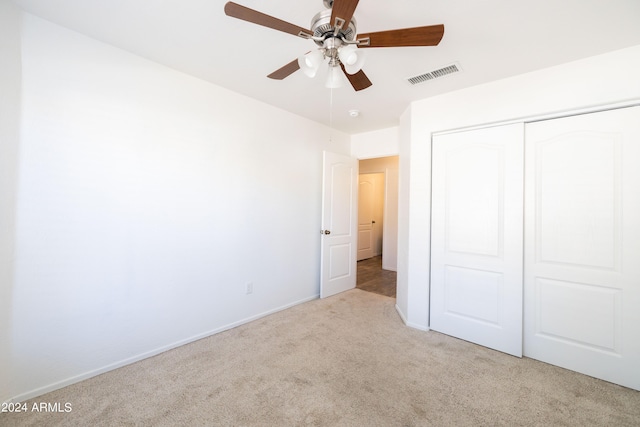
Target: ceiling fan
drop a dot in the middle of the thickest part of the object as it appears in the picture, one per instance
(334, 31)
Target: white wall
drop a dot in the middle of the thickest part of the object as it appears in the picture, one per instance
(378, 164)
(9, 140)
(378, 143)
(404, 187)
(146, 200)
(599, 80)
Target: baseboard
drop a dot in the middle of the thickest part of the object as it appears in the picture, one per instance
(410, 324)
(386, 267)
(90, 374)
(418, 326)
(401, 314)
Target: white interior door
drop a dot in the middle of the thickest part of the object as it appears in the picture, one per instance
(371, 188)
(339, 224)
(582, 257)
(476, 247)
(366, 202)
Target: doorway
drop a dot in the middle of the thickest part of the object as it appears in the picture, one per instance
(378, 225)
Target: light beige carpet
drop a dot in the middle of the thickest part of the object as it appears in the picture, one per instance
(344, 361)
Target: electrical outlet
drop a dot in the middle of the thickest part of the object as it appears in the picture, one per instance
(249, 288)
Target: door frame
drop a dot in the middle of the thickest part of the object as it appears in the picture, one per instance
(389, 234)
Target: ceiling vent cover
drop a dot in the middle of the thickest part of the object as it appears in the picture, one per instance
(430, 75)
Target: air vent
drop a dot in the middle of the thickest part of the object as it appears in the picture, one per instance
(440, 72)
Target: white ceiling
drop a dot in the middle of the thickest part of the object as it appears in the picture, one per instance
(489, 39)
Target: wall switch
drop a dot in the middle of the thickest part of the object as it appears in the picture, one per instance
(249, 288)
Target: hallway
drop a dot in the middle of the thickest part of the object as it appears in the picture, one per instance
(372, 278)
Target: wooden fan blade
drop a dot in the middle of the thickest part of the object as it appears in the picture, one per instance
(343, 9)
(241, 12)
(285, 71)
(358, 80)
(417, 36)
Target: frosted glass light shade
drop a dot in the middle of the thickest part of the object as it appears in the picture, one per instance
(310, 63)
(335, 78)
(351, 58)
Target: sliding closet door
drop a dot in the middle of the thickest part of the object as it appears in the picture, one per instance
(476, 247)
(582, 253)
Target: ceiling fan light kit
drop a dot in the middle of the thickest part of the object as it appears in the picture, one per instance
(310, 62)
(336, 54)
(335, 32)
(351, 58)
(335, 78)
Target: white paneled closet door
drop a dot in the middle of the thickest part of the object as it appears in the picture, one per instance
(582, 244)
(476, 247)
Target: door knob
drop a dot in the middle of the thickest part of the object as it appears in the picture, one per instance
(327, 232)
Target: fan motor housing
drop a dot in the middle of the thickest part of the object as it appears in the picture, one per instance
(322, 28)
